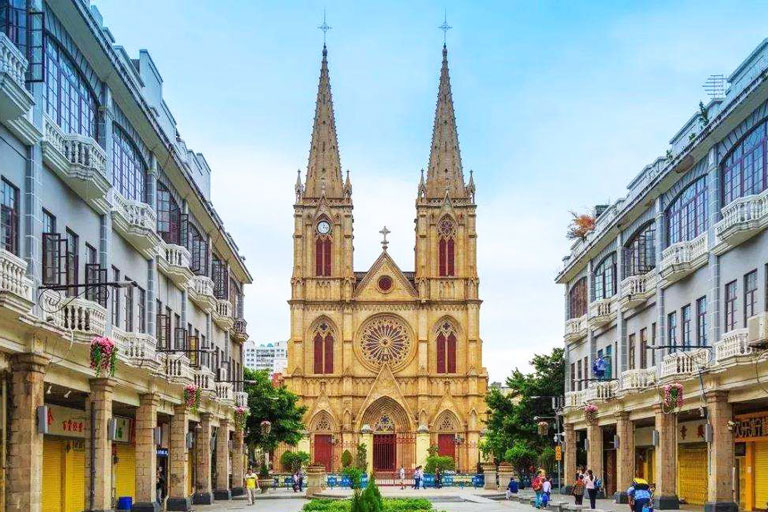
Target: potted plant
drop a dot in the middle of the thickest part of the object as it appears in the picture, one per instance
(672, 398)
(543, 428)
(265, 481)
(241, 415)
(192, 396)
(103, 355)
(590, 413)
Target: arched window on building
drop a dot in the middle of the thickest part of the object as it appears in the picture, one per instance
(445, 253)
(198, 249)
(446, 348)
(640, 252)
(168, 216)
(605, 277)
(577, 299)
(67, 97)
(745, 171)
(323, 248)
(129, 173)
(686, 216)
(322, 341)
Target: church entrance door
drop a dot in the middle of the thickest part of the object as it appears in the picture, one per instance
(384, 452)
(446, 446)
(323, 450)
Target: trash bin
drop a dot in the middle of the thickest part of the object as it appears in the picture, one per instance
(124, 503)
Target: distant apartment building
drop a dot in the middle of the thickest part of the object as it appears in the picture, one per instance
(272, 357)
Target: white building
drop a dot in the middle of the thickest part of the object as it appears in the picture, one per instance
(266, 356)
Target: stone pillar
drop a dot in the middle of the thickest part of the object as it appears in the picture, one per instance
(98, 446)
(720, 496)
(489, 474)
(315, 479)
(25, 446)
(146, 454)
(203, 434)
(422, 445)
(625, 456)
(222, 462)
(570, 455)
(506, 473)
(178, 498)
(238, 463)
(666, 461)
(595, 451)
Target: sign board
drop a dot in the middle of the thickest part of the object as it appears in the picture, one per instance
(124, 429)
(558, 453)
(751, 427)
(66, 422)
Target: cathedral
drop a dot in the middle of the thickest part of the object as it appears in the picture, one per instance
(385, 357)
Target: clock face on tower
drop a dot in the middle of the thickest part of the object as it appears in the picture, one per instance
(323, 227)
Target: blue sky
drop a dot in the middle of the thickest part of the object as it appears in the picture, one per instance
(559, 105)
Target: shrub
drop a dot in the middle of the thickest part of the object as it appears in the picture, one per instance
(361, 460)
(355, 475)
(346, 459)
(292, 461)
(436, 461)
(369, 500)
(263, 469)
(389, 505)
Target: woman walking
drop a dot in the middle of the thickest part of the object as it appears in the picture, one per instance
(578, 489)
(589, 484)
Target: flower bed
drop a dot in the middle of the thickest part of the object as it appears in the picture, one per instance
(390, 505)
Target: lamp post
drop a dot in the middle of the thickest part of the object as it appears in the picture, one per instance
(557, 407)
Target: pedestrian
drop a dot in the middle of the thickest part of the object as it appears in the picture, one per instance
(295, 478)
(590, 484)
(511, 488)
(417, 477)
(301, 479)
(578, 489)
(546, 490)
(402, 477)
(250, 485)
(160, 486)
(438, 476)
(639, 494)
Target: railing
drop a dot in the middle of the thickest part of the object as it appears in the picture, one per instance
(742, 214)
(176, 255)
(638, 379)
(684, 253)
(601, 311)
(575, 398)
(733, 345)
(602, 390)
(177, 368)
(224, 391)
(13, 276)
(239, 329)
(136, 348)
(137, 214)
(84, 317)
(204, 379)
(224, 308)
(202, 285)
(12, 61)
(684, 363)
(80, 151)
(576, 328)
(241, 399)
(640, 285)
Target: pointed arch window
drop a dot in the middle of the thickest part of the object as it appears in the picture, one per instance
(446, 348)
(168, 215)
(445, 251)
(323, 349)
(323, 248)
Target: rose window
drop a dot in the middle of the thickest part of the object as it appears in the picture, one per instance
(385, 340)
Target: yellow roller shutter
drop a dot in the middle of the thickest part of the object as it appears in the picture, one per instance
(53, 472)
(125, 471)
(761, 475)
(75, 478)
(692, 473)
(190, 489)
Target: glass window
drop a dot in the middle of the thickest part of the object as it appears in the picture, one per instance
(577, 299)
(744, 170)
(573, 376)
(609, 362)
(115, 298)
(128, 306)
(640, 252)
(73, 261)
(701, 321)
(643, 348)
(9, 215)
(605, 278)
(142, 310)
(672, 330)
(579, 373)
(168, 216)
(198, 248)
(128, 168)
(750, 295)
(67, 98)
(730, 306)
(653, 344)
(631, 352)
(687, 215)
(685, 317)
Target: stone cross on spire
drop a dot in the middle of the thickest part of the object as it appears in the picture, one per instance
(384, 243)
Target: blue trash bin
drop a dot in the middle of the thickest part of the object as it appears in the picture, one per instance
(124, 503)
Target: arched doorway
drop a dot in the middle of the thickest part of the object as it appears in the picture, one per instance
(322, 440)
(448, 428)
(394, 442)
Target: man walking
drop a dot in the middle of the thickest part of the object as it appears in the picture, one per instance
(639, 494)
(250, 485)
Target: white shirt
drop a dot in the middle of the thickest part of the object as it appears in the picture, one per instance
(402, 473)
(589, 482)
(546, 486)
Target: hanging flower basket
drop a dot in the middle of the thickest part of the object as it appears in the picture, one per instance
(192, 396)
(241, 415)
(590, 413)
(103, 355)
(266, 427)
(672, 397)
(543, 428)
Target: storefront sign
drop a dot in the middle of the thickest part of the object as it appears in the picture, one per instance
(63, 421)
(753, 426)
(687, 432)
(124, 429)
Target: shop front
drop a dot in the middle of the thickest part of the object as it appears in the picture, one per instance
(751, 437)
(64, 460)
(124, 460)
(644, 453)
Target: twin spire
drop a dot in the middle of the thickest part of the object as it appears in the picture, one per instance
(444, 174)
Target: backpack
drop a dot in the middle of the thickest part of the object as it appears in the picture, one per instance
(598, 484)
(536, 485)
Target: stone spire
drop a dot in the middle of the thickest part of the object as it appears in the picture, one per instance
(324, 167)
(444, 170)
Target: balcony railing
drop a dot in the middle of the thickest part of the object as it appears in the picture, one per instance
(79, 161)
(136, 222)
(222, 314)
(576, 398)
(15, 100)
(682, 364)
(635, 290)
(177, 369)
(575, 328)
(239, 330)
(241, 399)
(602, 390)
(174, 261)
(83, 317)
(205, 379)
(15, 286)
(224, 392)
(137, 349)
(200, 290)
(742, 219)
(733, 346)
(639, 379)
(680, 259)
(601, 312)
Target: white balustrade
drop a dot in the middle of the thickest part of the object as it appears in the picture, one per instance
(638, 379)
(84, 317)
(85, 153)
(136, 213)
(177, 368)
(748, 213)
(136, 348)
(203, 285)
(241, 399)
(734, 344)
(601, 311)
(224, 308)
(575, 328)
(684, 363)
(224, 391)
(643, 285)
(176, 255)
(575, 398)
(602, 390)
(204, 379)
(12, 61)
(13, 276)
(681, 258)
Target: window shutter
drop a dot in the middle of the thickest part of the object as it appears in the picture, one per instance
(318, 355)
(449, 263)
(328, 353)
(163, 326)
(180, 339)
(193, 345)
(441, 256)
(327, 257)
(452, 353)
(441, 353)
(55, 251)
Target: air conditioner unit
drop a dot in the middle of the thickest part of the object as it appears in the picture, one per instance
(757, 331)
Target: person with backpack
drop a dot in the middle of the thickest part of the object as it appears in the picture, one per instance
(546, 489)
(639, 494)
(578, 489)
(591, 484)
(537, 485)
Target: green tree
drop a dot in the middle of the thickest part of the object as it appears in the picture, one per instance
(346, 459)
(292, 461)
(361, 459)
(521, 456)
(276, 405)
(510, 419)
(445, 463)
